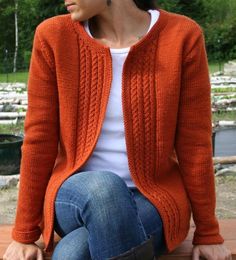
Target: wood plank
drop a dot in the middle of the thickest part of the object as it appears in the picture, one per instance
(182, 252)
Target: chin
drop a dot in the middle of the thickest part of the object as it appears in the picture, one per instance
(75, 16)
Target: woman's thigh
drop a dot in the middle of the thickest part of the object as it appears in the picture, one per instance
(73, 246)
(101, 201)
(151, 220)
(71, 227)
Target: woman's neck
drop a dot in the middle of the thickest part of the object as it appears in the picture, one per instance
(122, 24)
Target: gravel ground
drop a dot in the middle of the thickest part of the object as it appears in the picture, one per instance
(226, 197)
(225, 200)
(8, 200)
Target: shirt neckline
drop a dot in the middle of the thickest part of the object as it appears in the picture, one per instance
(148, 37)
(126, 49)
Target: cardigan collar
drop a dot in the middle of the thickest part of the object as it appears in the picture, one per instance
(154, 31)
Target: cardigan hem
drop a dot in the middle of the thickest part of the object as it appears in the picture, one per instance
(208, 240)
(25, 237)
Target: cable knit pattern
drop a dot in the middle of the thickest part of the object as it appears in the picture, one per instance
(165, 87)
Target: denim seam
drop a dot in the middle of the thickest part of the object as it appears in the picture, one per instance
(69, 203)
(74, 205)
(138, 217)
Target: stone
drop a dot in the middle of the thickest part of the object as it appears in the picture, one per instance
(7, 181)
(230, 68)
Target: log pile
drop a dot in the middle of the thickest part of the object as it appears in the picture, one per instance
(13, 102)
(223, 93)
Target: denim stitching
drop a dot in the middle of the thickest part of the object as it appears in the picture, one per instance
(138, 217)
(74, 205)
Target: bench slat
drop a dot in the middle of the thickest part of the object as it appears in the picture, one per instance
(182, 252)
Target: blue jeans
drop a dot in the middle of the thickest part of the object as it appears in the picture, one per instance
(98, 216)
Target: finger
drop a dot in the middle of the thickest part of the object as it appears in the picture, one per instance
(39, 255)
(226, 255)
(210, 257)
(195, 255)
(6, 257)
(230, 256)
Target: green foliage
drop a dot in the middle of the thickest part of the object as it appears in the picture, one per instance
(220, 40)
(218, 20)
(216, 17)
(194, 9)
(220, 29)
(223, 90)
(49, 8)
(169, 5)
(27, 56)
(30, 14)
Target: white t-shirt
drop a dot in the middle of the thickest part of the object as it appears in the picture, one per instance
(110, 151)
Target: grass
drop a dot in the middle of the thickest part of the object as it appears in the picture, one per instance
(15, 77)
(229, 115)
(223, 90)
(17, 128)
(215, 66)
(23, 76)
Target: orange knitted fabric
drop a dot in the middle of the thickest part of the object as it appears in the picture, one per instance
(167, 117)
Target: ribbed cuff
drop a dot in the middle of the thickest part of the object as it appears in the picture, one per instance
(26, 237)
(207, 240)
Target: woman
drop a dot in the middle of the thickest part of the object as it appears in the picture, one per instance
(115, 155)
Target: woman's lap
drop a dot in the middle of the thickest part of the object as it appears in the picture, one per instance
(94, 222)
(151, 221)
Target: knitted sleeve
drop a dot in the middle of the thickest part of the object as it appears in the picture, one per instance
(39, 148)
(193, 140)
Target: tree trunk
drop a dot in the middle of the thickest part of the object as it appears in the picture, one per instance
(16, 35)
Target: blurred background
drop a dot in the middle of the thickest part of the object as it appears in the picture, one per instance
(20, 18)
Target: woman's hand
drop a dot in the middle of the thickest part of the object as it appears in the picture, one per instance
(211, 252)
(20, 251)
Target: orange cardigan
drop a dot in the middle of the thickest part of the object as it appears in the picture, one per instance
(167, 118)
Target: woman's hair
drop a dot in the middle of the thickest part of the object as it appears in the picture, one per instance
(146, 4)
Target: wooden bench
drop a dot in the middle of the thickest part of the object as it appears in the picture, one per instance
(227, 228)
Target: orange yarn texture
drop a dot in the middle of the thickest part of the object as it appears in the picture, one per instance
(166, 106)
